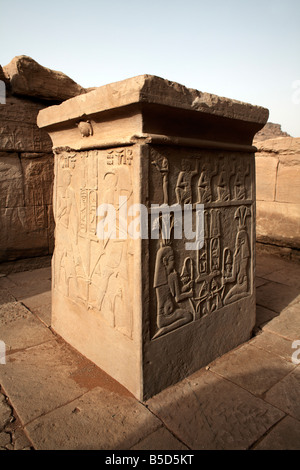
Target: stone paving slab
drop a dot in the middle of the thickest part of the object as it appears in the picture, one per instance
(43, 312)
(100, 419)
(267, 264)
(208, 412)
(38, 379)
(19, 328)
(5, 412)
(284, 436)
(161, 439)
(28, 277)
(289, 277)
(287, 324)
(276, 296)
(33, 295)
(264, 315)
(274, 344)
(12, 436)
(248, 399)
(253, 369)
(260, 281)
(285, 395)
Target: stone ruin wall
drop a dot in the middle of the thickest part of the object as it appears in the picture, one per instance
(278, 196)
(26, 159)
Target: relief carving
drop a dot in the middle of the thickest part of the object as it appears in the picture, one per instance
(222, 265)
(183, 189)
(67, 252)
(241, 258)
(170, 294)
(94, 272)
(163, 168)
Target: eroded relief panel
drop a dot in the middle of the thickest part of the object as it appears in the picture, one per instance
(94, 272)
(187, 285)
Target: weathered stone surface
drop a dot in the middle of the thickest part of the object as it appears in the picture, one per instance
(274, 344)
(161, 439)
(20, 328)
(18, 129)
(270, 131)
(287, 324)
(151, 91)
(266, 264)
(263, 315)
(11, 181)
(286, 394)
(26, 204)
(276, 297)
(279, 146)
(122, 420)
(288, 179)
(37, 172)
(4, 440)
(266, 170)
(289, 276)
(33, 289)
(278, 191)
(207, 412)
(23, 230)
(5, 412)
(49, 387)
(278, 223)
(255, 378)
(157, 307)
(28, 78)
(284, 436)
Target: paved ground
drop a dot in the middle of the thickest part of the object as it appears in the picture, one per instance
(53, 398)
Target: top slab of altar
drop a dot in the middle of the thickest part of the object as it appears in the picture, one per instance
(150, 107)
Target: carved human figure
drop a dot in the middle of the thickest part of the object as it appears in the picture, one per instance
(204, 186)
(239, 269)
(169, 294)
(239, 183)
(223, 179)
(227, 263)
(67, 232)
(216, 292)
(215, 254)
(163, 168)
(183, 189)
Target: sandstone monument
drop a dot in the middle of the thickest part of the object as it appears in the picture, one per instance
(148, 310)
(26, 159)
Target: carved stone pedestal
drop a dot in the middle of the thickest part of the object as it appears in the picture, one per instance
(150, 311)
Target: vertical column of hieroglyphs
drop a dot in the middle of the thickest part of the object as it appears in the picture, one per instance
(188, 285)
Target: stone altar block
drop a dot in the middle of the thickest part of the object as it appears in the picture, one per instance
(150, 311)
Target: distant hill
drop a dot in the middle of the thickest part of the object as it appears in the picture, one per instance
(270, 131)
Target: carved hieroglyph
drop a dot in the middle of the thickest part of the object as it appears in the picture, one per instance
(189, 285)
(95, 273)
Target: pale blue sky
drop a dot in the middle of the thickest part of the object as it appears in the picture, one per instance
(241, 49)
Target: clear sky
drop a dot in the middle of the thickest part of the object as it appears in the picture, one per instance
(241, 49)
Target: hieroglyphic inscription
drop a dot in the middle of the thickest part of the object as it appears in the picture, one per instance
(94, 272)
(219, 272)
